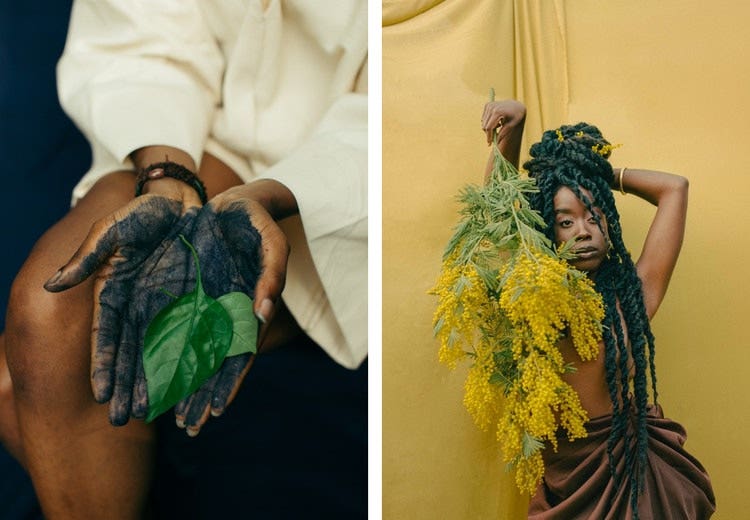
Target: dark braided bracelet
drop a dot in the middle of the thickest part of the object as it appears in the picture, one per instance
(173, 170)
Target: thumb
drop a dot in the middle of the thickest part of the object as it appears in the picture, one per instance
(96, 248)
(142, 223)
(275, 252)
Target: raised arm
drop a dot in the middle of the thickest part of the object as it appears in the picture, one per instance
(669, 193)
(507, 117)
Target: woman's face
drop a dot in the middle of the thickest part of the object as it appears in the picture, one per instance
(574, 221)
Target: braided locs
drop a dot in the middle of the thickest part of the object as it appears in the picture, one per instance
(576, 156)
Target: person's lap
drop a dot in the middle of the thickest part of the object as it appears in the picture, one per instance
(66, 434)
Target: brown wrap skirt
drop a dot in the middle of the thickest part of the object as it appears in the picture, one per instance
(578, 483)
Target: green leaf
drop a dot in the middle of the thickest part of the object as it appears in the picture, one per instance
(462, 283)
(184, 345)
(453, 337)
(499, 379)
(438, 326)
(516, 294)
(488, 276)
(530, 445)
(239, 306)
(566, 249)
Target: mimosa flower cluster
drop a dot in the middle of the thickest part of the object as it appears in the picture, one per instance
(506, 297)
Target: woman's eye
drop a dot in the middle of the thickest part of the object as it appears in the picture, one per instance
(565, 223)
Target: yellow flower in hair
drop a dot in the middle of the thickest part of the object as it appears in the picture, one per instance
(604, 149)
(559, 135)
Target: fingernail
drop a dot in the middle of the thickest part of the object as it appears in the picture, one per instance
(52, 281)
(192, 433)
(180, 422)
(156, 173)
(264, 313)
(216, 413)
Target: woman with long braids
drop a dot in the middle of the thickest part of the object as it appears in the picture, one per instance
(632, 464)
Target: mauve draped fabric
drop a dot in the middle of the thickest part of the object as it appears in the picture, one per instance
(578, 482)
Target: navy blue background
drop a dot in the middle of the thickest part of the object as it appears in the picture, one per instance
(43, 156)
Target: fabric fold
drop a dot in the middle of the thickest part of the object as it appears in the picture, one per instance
(578, 483)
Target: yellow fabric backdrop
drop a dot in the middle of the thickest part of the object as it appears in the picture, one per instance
(670, 81)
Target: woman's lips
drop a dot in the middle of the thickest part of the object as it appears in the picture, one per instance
(585, 252)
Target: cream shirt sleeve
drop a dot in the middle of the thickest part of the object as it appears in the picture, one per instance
(139, 73)
(328, 176)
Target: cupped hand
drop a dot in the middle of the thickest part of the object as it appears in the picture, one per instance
(241, 248)
(134, 254)
(504, 114)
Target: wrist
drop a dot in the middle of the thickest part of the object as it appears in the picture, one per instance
(172, 180)
(274, 196)
(619, 179)
(170, 188)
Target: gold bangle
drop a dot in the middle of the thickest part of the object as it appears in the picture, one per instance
(622, 174)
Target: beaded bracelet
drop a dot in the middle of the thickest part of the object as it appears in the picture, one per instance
(173, 170)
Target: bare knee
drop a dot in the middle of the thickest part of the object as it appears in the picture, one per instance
(10, 436)
(46, 337)
(8, 419)
(6, 387)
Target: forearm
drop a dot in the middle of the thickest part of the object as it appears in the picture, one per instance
(510, 142)
(652, 186)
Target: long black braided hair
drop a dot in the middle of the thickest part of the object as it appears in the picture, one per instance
(576, 156)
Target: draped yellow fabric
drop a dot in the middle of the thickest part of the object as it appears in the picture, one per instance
(668, 80)
(540, 62)
(395, 11)
(438, 66)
